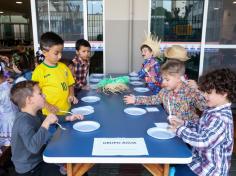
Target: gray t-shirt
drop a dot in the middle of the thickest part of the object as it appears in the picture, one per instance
(27, 142)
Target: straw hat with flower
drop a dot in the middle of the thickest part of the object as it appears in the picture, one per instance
(176, 52)
(152, 42)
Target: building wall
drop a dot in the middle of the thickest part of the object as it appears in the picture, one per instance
(124, 32)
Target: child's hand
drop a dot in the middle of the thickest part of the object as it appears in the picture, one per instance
(175, 122)
(50, 119)
(10, 80)
(15, 68)
(73, 99)
(129, 99)
(86, 87)
(51, 108)
(74, 117)
(149, 79)
(192, 84)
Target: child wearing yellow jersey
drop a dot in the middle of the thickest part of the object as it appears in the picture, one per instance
(55, 78)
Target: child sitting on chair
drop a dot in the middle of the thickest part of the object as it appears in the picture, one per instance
(150, 70)
(182, 99)
(211, 137)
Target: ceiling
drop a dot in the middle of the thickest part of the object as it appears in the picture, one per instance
(10, 7)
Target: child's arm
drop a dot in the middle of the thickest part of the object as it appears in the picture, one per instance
(177, 122)
(209, 135)
(148, 100)
(199, 100)
(72, 98)
(34, 140)
(51, 108)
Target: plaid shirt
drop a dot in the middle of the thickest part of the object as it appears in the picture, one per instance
(151, 74)
(183, 103)
(212, 140)
(81, 72)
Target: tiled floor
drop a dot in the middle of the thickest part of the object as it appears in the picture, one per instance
(134, 169)
(124, 170)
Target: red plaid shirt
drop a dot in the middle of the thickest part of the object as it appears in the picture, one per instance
(81, 72)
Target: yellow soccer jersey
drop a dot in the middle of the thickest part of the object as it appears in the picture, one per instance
(54, 82)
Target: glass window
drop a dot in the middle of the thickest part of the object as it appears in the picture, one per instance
(177, 20)
(96, 60)
(18, 19)
(66, 18)
(17, 31)
(95, 20)
(5, 18)
(221, 26)
(219, 58)
(42, 16)
(192, 65)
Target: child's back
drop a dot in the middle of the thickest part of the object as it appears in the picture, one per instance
(24, 134)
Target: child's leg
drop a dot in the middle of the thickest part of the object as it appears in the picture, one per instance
(50, 169)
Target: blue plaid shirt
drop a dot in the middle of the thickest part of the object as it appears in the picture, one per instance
(211, 139)
(152, 75)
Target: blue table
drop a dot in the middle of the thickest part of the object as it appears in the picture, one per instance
(70, 146)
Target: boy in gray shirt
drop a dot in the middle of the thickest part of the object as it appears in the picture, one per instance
(30, 131)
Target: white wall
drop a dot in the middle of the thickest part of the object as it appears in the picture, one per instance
(125, 23)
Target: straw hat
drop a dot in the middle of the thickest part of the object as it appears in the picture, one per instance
(176, 52)
(153, 43)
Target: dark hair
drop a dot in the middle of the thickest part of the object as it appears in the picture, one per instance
(81, 42)
(146, 46)
(173, 67)
(222, 81)
(21, 91)
(50, 39)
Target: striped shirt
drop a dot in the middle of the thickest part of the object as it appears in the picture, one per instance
(183, 103)
(211, 139)
(81, 72)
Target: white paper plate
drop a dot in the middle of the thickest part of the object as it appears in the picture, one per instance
(98, 75)
(135, 111)
(162, 125)
(93, 86)
(90, 99)
(133, 74)
(141, 89)
(94, 80)
(136, 83)
(160, 133)
(86, 126)
(84, 110)
(134, 78)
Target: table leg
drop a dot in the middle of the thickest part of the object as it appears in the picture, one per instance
(69, 169)
(83, 168)
(166, 169)
(157, 169)
(76, 168)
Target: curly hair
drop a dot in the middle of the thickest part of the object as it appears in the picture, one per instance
(222, 81)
